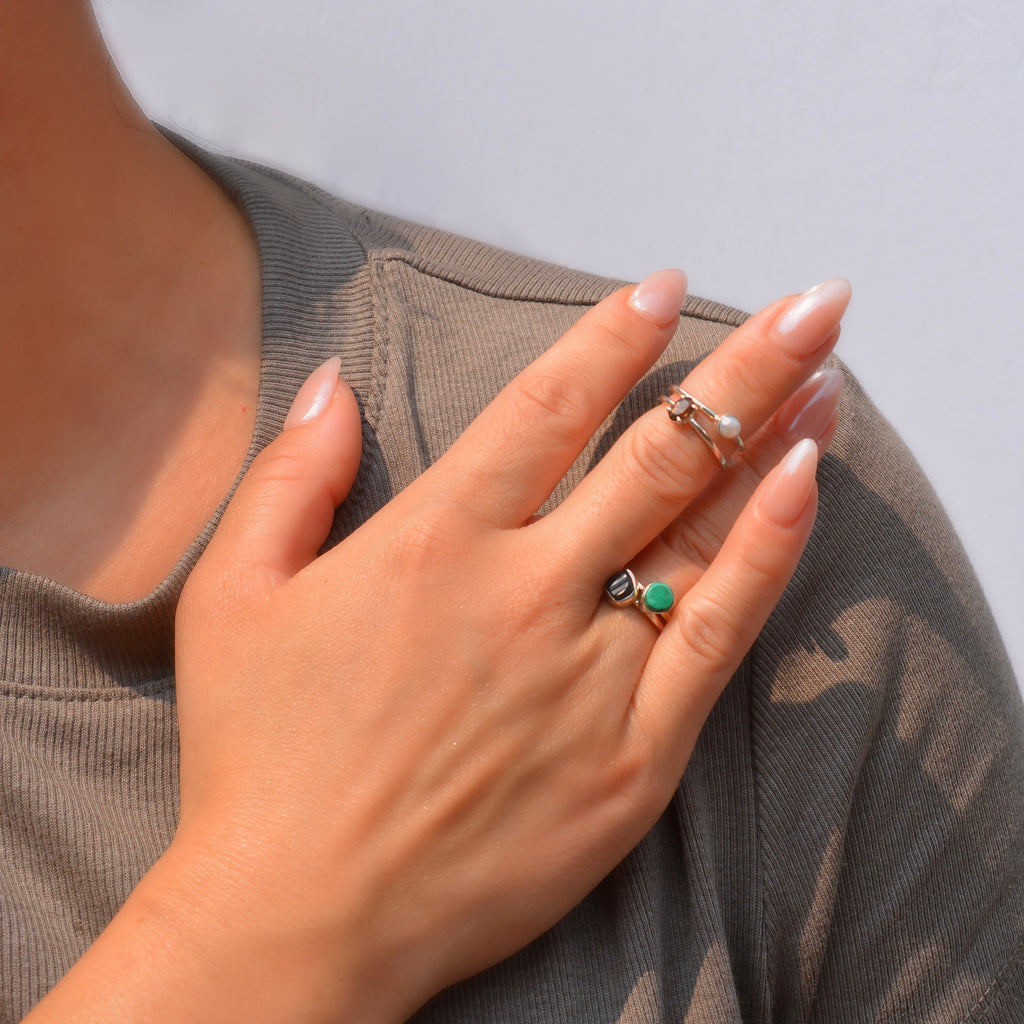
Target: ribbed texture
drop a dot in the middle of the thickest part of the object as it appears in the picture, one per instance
(848, 841)
(88, 801)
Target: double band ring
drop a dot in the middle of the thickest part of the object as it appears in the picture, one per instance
(655, 600)
(684, 408)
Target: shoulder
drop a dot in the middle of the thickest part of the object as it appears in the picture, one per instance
(285, 209)
(888, 737)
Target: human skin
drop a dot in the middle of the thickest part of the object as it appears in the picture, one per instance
(131, 298)
(489, 797)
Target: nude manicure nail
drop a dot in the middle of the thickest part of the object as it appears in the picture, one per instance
(315, 395)
(791, 483)
(659, 298)
(809, 321)
(809, 412)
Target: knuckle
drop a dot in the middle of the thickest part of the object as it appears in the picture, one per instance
(274, 479)
(754, 360)
(757, 565)
(622, 335)
(635, 767)
(419, 542)
(558, 400)
(694, 541)
(280, 466)
(757, 344)
(747, 378)
(661, 466)
(639, 779)
(709, 635)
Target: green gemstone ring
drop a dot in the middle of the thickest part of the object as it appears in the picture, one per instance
(655, 600)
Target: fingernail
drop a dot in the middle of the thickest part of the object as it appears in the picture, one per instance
(809, 321)
(315, 395)
(809, 412)
(790, 484)
(659, 298)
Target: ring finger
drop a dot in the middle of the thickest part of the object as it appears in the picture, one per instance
(687, 546)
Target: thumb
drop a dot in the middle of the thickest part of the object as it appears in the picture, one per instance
(283, 509)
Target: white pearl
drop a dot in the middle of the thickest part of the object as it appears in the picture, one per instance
(729, 426)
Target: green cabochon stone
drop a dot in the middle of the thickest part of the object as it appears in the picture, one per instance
(658, 597)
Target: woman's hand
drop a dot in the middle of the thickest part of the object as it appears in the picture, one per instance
(405, 758)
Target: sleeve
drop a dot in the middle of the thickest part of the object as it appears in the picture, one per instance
(888, 749)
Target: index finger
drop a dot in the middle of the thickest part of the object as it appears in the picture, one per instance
(511, 457)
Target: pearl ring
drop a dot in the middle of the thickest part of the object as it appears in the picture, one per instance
(683, 407)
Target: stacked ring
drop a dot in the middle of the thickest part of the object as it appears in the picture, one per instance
(683, 407)
(655, 600)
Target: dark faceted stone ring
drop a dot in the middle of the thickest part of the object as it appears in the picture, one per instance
(655, 600)
(683, 408)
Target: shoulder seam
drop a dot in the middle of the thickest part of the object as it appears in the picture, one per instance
(694, 308)
(981, 1007)
(437, 270)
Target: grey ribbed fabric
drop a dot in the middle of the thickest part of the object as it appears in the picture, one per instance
(848, 842)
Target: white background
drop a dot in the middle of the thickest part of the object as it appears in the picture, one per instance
(761, 145)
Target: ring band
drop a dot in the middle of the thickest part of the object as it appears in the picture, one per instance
(655, 600)
(683, 407)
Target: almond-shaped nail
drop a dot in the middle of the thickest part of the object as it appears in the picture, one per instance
(659, 298)
(316, 394)
(812, 317)
(809, 412)
(790, 483)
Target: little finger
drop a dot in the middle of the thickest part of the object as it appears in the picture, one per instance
(713, 626)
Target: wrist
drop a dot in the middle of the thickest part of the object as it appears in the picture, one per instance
(198, 941)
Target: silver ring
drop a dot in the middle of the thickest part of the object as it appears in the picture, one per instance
(683, 408)
(655, 600)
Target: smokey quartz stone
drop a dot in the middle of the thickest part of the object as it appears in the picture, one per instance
(621, 588)
(681, 409)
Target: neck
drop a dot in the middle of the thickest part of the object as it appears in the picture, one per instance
(91, 195)
(129, 289)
